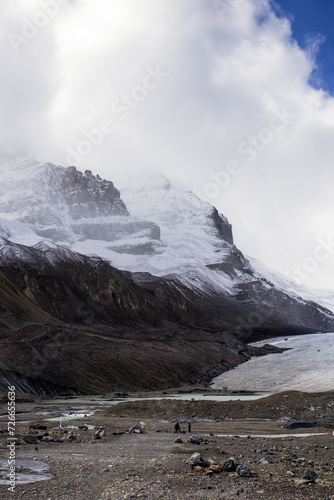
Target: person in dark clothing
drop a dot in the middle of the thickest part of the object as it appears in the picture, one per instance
(177, 427)
(189, 427)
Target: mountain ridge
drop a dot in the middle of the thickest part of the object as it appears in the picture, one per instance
(89, 290)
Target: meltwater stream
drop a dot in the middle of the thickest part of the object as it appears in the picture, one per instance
(101, 400)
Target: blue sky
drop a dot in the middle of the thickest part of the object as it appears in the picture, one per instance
(312, 18)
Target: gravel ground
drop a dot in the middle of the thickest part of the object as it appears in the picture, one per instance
(151, 465)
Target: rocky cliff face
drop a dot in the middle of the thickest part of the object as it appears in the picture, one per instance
(74, 288)
(63, 204)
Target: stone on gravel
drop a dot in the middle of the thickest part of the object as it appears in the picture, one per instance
(195, 439)
(135, 429)
(38, 427)
(310, 476)
(229, 465)
(266, 460)
(243, 471)
(210, 462)
(47, 439)
(196, 459)
(215, 468)
(30, 439)
(71, 436)
(99, 433)
(197, 468)
(300, 425)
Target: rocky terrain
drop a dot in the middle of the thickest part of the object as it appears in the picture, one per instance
(243, 449)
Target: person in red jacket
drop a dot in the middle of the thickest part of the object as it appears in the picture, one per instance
(177, 427)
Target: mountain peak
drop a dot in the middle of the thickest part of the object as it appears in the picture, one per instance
(64, 204)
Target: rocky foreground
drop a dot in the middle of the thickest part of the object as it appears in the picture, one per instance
(251, 449)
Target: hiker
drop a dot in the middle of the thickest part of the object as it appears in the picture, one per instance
(189, 427)
(177, 427)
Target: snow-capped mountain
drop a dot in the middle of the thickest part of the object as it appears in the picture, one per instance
(97, 282)
(148, 227)
(165, 230)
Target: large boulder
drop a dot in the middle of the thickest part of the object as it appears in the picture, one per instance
(196, 460)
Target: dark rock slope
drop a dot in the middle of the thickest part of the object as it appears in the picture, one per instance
(70, 323)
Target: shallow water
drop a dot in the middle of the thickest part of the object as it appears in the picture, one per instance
(272, 435)
(101, 400)
(33, 471)
(66, 419)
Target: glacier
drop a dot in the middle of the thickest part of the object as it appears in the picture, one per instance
(308, 366)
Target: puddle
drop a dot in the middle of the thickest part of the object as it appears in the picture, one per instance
(32, 471)
(69, 420)
(272, 435)
(71, 416)
(66, 419)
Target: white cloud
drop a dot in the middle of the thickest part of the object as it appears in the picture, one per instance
(227, 75)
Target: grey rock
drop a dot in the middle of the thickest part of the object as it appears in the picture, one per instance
(243, 471)
(135, 429)
(48, 439)
(195, 439)
(196, 460)
(300, 425)
(71, 436)
(30, 439)
(266, 460)
(99, 433)
(229, 465)
(310, 475)
(38, 427)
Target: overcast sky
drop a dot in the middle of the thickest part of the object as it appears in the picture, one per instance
(217, 95)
